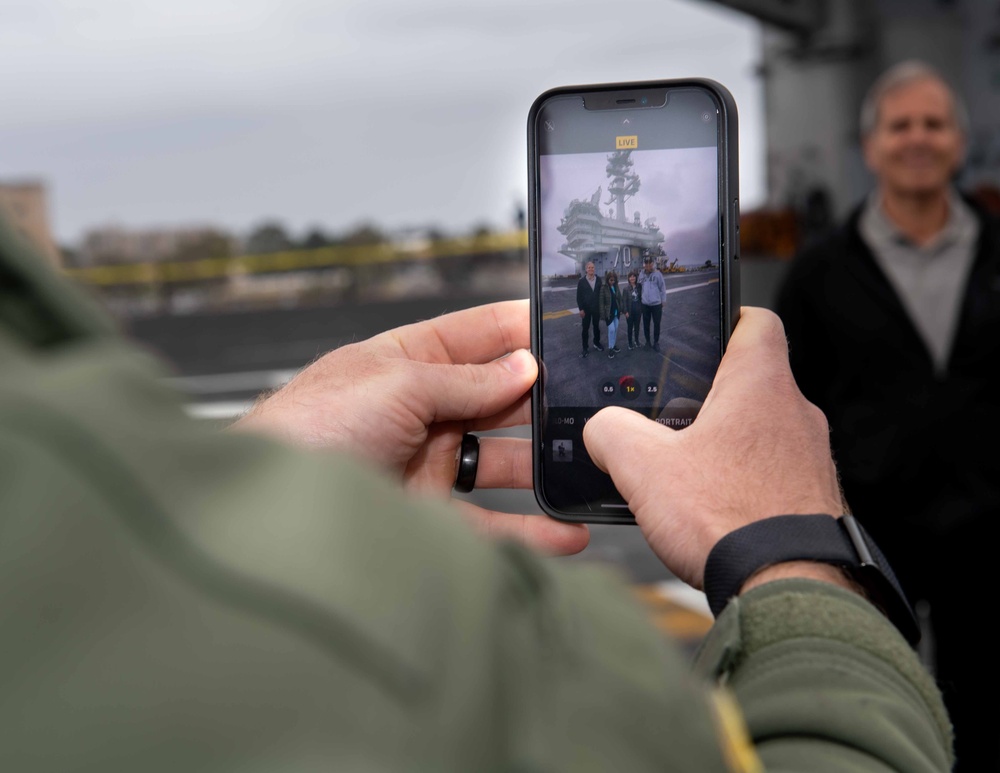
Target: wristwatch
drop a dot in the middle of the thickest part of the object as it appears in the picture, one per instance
(839, 541)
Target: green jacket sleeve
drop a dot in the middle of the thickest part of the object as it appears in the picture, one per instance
(825, 684)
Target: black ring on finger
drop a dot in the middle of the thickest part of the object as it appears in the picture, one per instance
(468, 463)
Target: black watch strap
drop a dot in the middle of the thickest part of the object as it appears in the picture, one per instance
(838, 541)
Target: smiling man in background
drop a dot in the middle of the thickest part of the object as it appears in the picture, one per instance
(894, 327)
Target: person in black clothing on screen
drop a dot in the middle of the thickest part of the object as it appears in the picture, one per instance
(588, 293)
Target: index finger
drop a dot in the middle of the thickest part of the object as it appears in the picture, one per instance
(477, 335)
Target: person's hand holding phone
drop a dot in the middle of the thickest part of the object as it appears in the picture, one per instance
(404, 399)
(758, 448)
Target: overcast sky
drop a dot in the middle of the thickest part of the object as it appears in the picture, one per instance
(325, 114)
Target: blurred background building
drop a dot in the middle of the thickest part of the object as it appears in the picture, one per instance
(116, 244)
(24, 203)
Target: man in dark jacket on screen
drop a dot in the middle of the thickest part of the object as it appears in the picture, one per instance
(588, 294)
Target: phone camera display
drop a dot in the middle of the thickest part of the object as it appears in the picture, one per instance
(629, 276)
(626, 275)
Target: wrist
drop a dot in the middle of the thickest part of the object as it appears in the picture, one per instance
(807, 570)
(785, 546)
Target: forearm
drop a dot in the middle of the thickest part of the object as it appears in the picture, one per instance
(848, 686)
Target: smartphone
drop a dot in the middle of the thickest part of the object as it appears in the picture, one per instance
(633, 236)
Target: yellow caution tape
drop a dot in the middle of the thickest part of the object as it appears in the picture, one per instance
(294, 260)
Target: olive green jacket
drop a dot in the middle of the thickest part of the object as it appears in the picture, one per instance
(604, 304)
(174, 598)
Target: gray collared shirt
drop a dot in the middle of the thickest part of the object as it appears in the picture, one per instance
(930, 279)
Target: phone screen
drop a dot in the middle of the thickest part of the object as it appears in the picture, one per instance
(629, 272)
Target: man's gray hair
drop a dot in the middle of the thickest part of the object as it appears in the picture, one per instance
(900, 75)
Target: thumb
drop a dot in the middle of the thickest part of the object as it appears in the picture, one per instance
(618, 441)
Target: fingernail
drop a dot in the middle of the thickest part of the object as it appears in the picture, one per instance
(519, 362)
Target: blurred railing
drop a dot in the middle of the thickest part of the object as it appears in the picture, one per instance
(294, 260)
(485, 263)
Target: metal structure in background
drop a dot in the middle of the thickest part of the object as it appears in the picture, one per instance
(799, 16)
(819, 57)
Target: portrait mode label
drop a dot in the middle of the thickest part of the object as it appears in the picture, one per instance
(631, 142)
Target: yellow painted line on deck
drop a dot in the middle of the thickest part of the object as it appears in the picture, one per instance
(557, 314)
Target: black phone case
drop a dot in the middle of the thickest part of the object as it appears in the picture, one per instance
(729, 296)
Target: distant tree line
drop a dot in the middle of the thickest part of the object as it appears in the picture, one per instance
(272, 236)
